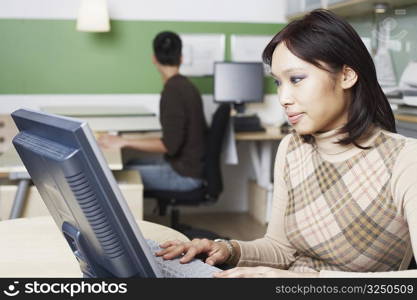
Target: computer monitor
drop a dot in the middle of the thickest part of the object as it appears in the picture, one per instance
(79, 190)
(238, 82)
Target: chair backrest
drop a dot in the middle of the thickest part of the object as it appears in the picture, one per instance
(215, 137)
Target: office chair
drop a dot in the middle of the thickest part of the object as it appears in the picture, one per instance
(213, 184)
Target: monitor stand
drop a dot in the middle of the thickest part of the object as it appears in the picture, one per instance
(239, 108)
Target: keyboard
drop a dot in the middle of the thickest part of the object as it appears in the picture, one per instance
(174, 269)
(250, 123)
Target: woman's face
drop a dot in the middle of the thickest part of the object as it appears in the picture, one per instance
(313, 99)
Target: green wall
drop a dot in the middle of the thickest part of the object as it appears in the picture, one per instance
(51, 57)
(406, 23)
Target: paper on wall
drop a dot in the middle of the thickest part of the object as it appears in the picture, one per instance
(249, 48)
(200, 51)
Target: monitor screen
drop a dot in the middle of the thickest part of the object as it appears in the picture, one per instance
(238, 82)
(80, 192)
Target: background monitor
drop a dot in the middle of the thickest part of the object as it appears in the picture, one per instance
(238, 82)
(79, 190)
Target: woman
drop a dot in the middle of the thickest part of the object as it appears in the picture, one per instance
(345, 187)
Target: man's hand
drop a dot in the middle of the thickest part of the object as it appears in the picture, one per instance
(108, 141)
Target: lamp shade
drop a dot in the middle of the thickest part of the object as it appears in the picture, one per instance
(93, 16)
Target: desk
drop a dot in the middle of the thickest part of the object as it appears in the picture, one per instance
(406, 125)
(406, 118)
(97, 111)
(125, 124)
(262, 158)
(34, 247)
(11, 164)
(10, 161)
(100, 119)
(110, 118)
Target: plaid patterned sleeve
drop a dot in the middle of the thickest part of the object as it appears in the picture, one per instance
(404, 191)
(274, 249)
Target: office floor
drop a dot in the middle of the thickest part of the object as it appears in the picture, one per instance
(238, 226)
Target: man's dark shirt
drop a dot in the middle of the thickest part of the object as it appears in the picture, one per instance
(183, 126)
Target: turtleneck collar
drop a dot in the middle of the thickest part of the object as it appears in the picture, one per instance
(326, 142)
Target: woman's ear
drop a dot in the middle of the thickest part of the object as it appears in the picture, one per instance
(349, 77)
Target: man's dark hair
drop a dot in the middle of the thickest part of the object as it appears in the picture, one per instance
(328, 42)
(167, 48)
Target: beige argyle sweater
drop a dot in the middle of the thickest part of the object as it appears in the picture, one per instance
(340, 210)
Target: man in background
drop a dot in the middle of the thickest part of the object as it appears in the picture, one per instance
(183, 127)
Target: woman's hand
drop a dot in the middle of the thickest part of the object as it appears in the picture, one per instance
(108, 141)
(217, 253)
(262, 272)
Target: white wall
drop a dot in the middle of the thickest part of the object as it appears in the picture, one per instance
(251, 11)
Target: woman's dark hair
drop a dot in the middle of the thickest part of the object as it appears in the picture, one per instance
(328, 42)
(167, 48)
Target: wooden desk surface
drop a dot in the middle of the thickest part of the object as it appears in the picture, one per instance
(34, 247)
(10, 160)
(406, 118)
(271, 133)
(123, 123)
(97, 111)
(109, 117)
